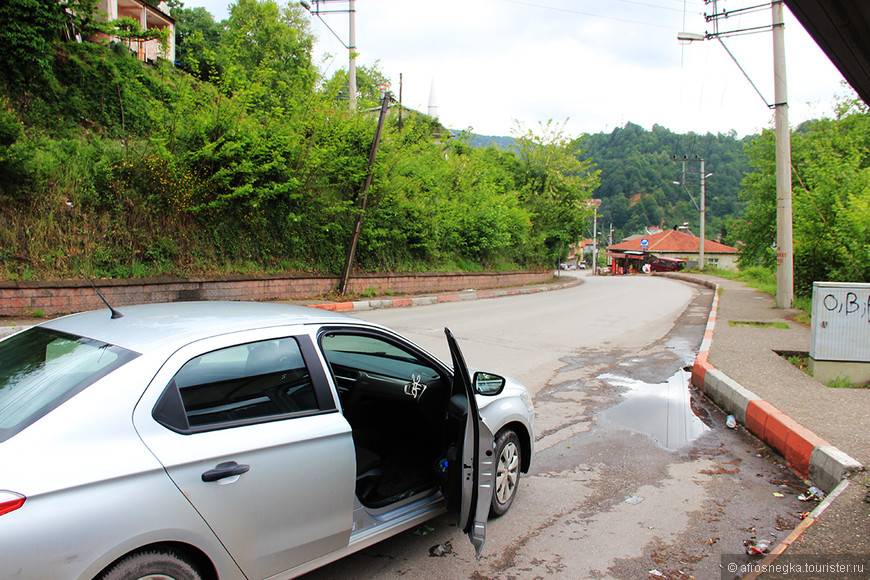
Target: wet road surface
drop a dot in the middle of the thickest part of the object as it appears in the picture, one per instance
(634, 476)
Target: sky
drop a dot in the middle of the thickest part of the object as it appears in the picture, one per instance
(496, 67)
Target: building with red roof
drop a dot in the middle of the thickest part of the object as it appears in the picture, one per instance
(677, 243)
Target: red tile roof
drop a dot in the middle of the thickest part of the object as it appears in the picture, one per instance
(673, 241)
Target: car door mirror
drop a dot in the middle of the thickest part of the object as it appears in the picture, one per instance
(488, 384)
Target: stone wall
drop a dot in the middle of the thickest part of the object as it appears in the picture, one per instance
(66, 296)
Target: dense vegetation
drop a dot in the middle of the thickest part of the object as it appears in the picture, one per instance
(639, 169)
(245, 158)
(251, 162)
(830, 199)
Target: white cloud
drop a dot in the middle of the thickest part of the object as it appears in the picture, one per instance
(599, 64)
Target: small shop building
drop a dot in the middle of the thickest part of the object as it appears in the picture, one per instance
(633, 254)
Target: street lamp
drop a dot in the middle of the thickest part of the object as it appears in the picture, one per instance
(702, 208)
(350, 46)
(784, 234)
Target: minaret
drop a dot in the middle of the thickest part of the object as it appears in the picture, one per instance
(433, 108)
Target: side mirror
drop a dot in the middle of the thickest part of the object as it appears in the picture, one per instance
(488, 384)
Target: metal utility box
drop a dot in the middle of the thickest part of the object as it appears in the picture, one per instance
(841, 322)
(840, 331)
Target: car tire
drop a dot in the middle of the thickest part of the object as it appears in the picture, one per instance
(152, 564)
(507, 472)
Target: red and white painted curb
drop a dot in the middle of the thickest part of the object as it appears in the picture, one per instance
(808, 454)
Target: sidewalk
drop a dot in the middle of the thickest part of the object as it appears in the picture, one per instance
(824, 433)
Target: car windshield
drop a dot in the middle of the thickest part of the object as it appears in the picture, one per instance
(41, 368)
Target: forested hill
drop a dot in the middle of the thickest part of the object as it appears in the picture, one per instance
(638, 171)
(639, 168)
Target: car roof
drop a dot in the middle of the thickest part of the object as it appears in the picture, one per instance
(150, 326)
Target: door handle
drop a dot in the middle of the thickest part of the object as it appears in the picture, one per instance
(223, 470)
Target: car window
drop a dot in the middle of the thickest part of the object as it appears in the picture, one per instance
(380, 364)
(242, 383)
(41, 368)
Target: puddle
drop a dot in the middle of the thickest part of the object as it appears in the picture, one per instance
(662, 411)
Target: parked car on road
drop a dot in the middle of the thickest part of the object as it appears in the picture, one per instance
(239, 440)
(667, 265)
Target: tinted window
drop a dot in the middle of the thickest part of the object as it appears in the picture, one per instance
(243, 383)
(375, 365)
(40, 369)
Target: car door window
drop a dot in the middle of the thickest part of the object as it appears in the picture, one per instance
(242, 383)
(382, 365)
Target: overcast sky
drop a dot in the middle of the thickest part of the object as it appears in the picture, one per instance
(591, 64)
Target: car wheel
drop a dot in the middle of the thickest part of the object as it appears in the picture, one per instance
(152, 565)
(507, 472)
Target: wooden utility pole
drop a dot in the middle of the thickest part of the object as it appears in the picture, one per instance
(364, 194)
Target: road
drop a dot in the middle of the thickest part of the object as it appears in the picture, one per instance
(634, 475)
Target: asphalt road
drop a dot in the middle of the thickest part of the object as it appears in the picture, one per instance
(634, 475)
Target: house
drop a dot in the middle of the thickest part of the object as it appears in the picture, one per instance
(149, 17)
(676, 243)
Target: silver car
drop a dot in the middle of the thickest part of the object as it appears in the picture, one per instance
(239, 440)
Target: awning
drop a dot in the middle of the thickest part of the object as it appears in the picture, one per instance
(625, 255)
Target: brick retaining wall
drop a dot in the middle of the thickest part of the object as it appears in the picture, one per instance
(66, 296)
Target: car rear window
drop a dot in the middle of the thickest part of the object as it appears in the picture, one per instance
(41, 368)
(239, 385)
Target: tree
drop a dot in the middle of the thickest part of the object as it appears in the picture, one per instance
(830, 198)
(197, 40)
(30, 27)
(554, 183)
(368, 82)
(265, 54)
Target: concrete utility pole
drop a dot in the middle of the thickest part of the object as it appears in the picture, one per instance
(702, 209)
(784, 246)
(595, 241)
(351, 49)
(594, 203)
(351, 41)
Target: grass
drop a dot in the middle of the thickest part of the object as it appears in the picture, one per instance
(843, 383)
(801, 360)
(757, 324)
(764, 280)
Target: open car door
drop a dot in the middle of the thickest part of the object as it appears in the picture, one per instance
(478, 464)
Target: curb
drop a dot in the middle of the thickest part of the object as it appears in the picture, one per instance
(809, 455)
(806, 453)
(427, 300)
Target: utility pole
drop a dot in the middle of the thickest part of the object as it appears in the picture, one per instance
(784, 248)
(595, 240)
(594, 203)
(703, 214)
(351, 49)
(702, 209)
(784, 242)
(351, 42)
(376, 142)
(400, 103)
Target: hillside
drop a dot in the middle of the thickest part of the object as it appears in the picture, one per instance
(638, 171)
(246, 159)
